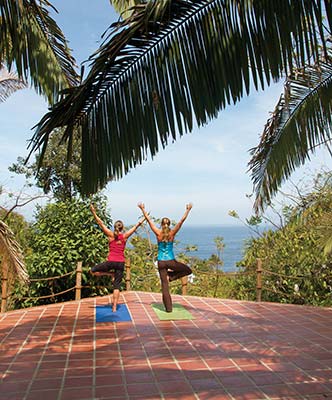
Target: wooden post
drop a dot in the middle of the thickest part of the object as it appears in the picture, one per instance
(259, 280)
(4, 286)
(184, 282)
(78, 286)
(127, 274)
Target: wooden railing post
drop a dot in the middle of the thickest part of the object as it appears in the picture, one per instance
(4, 286)
(78, 286)
(259, 280)
(184, 283)
(127, 275)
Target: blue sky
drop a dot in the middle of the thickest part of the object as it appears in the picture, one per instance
(207, 167)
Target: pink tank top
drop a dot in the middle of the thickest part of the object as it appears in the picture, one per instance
(116, 249)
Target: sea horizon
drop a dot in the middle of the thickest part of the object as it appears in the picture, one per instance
(202, 236)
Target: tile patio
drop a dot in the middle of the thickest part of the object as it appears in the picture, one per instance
(230, 350)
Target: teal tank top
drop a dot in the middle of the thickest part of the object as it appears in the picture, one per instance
(165, 251)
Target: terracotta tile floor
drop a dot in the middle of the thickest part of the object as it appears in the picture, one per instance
(230, 350)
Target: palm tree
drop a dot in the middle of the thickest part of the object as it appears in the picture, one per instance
(11, 261)
(175, 62)
(300, 122)
(9, 83)
(31, 41)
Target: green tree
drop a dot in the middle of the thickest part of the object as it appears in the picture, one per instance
(172, 63)
(57, 175)
(296, 268)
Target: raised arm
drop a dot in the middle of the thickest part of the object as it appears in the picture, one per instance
(130, 231)
(104, 228)
(153, 227)
(185, 215)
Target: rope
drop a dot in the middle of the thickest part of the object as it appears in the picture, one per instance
(46, 297)
(292, 276)
(275, 291)
(51, 278)
(94, 287)
(283, 275)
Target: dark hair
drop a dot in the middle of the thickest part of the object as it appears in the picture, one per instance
(165, 229)
(118, 227)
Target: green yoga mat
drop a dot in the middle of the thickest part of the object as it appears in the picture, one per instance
(178, 313)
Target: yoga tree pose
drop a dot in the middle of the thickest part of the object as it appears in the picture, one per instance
(169, 269)
(114, 265)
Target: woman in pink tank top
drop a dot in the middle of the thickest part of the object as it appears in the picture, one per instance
(117, 240)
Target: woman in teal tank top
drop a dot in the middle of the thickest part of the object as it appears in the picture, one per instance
(169, 268)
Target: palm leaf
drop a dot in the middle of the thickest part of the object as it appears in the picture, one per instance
(301, 121)
(9, 83)
(173, 63)
(125, 7)
(32, 41)
(325, 232)
(10, 251)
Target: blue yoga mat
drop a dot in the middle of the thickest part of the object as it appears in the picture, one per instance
(105, 313)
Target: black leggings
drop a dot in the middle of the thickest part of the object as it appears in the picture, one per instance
(107, 266)
(178, 270)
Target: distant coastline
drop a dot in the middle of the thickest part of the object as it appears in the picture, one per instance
(203, 237)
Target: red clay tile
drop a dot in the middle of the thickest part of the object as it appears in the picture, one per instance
(142, 388)
(42, 395)
(246, 394)
(180, 387)
(310, 388)
(234, 350)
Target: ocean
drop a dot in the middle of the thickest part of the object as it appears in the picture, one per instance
(203, 238)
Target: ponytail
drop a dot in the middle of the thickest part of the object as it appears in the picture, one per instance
(118, 228)
(165, 229)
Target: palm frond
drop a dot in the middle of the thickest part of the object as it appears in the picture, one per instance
(11, 251)
(301, 121)
(173, 63)
(32, 41)
(125, 7)
(325, 240)
(9, 83)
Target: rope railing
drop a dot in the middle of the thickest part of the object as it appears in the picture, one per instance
(52, 278)
(292, 276)
(78, 286)
(48, 296)
(260, 272)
